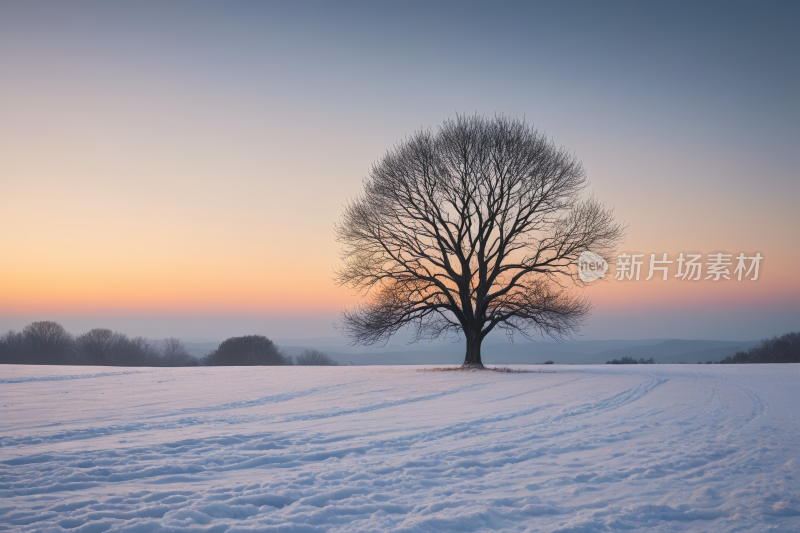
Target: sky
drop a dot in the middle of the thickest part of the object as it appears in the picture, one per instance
(176, 168)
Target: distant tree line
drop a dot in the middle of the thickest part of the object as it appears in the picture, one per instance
(631, 361)
(48, 343)
(783, 349)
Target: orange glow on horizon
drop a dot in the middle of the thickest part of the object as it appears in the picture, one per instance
(259, 288)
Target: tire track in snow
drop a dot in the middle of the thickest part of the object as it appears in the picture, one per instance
(256, 402)
(477, 460)
(611, 403)
(70, 377)
(183, 422)
(330, 413)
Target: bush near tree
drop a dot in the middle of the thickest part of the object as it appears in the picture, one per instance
(250, 350)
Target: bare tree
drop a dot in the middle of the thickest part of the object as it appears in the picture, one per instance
(47, 343)
(315, 358)
(173, 353)
(475, 227)
(12, 348)
(137, 351)
(96, 347)
(104, 347)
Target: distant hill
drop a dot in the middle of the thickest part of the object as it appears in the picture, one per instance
(500, 351)
(678, 351)
(702, 356)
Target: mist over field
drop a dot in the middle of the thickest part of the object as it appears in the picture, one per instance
(500, 351)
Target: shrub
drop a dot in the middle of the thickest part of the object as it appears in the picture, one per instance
(631, 361)
(250, 350)
(315, 358)
(173, 353)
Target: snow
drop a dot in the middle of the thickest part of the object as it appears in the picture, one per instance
(567, 448)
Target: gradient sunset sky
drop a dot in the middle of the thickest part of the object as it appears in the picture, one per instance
(176, 168)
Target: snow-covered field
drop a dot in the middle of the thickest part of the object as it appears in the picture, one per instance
(574, 448)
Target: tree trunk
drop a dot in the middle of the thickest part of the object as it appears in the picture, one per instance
(473, 357)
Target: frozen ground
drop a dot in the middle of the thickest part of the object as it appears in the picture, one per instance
(591, 448)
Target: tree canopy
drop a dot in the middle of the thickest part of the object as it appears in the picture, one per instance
(474, 227)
